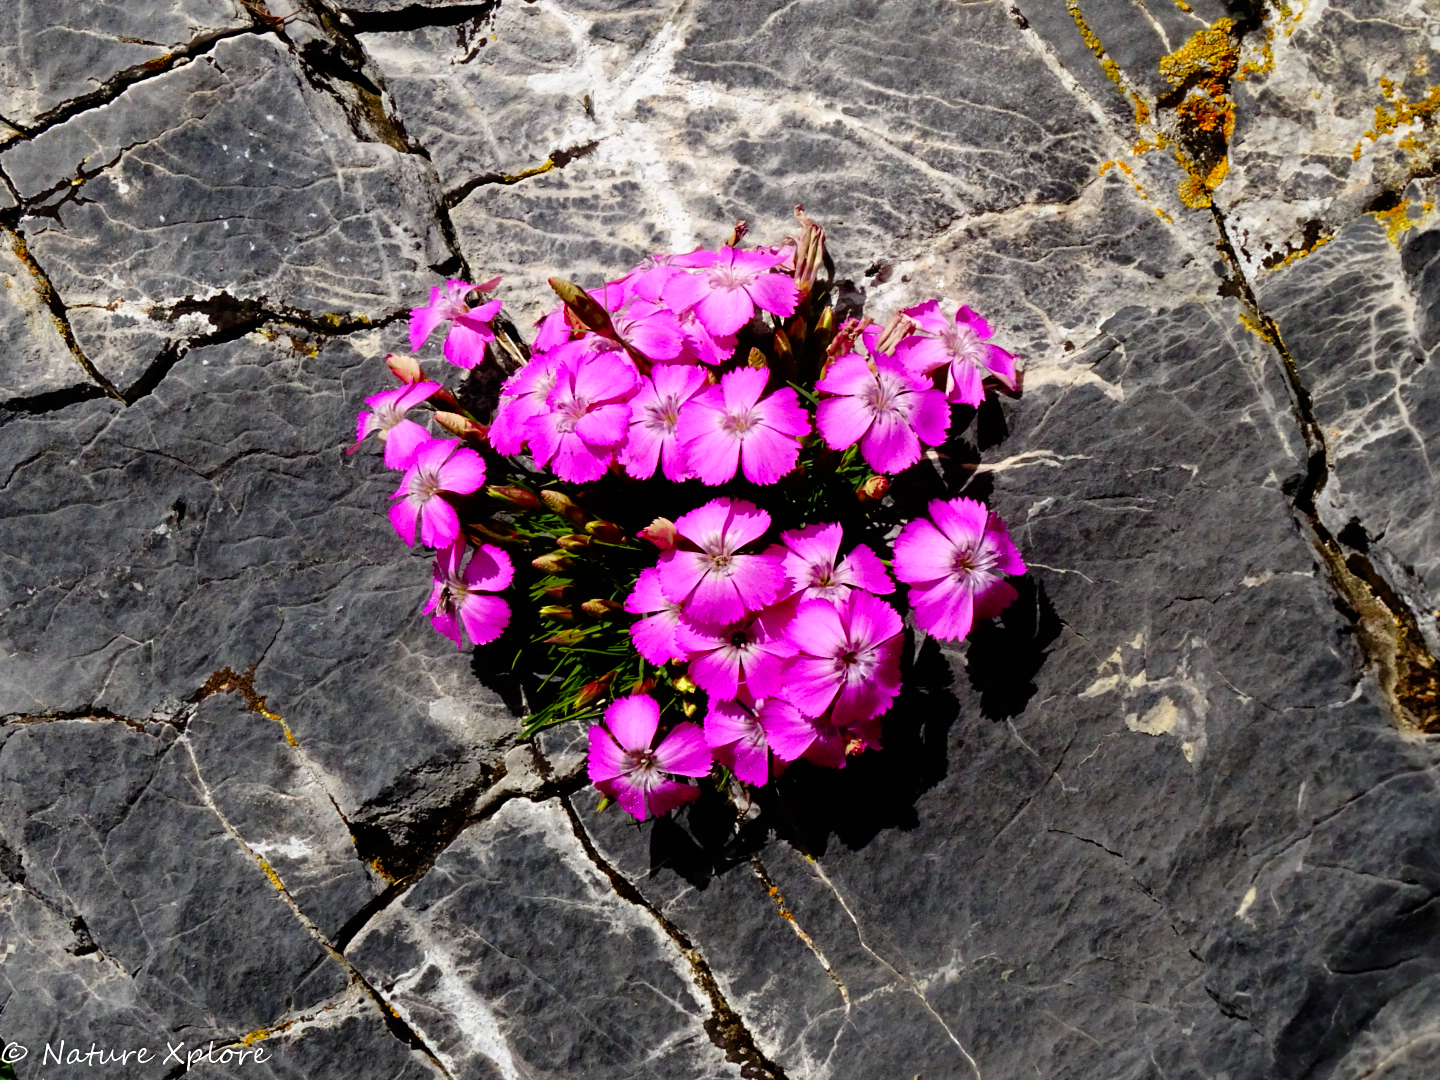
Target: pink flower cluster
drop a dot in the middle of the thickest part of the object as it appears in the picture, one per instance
(795, 635)
(792, 643)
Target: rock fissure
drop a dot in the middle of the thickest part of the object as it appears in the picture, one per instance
(556, 159)
(724, 1026)
(394, 1023)
(59, 315)
(1386, 630)
(116, 85)
(773, 891)
(417, 17)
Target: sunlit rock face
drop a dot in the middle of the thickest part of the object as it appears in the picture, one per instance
(1172, 815)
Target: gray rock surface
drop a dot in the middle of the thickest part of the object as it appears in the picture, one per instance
(1169, 817)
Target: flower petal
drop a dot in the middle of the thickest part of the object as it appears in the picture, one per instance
(633, 721)
(683, 752)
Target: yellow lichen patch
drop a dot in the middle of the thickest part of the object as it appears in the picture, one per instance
(1124, 167)
(1399, 220)
(1258, 328)
(1143, 111)
(228, 681)
(1210, 51)
(1397, 111)
(1299, 253)
(1208, 108)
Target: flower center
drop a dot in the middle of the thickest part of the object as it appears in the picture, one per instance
(851, 657)
(640, 763)
(739, 639)
(739, 423)
(452, 596)
(425, 486)
(730, 277)
(387, 416)
(880, 397)
(721, 563)
(964, 343)
(967, 563)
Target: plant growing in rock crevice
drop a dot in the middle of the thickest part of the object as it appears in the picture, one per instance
(698, 490)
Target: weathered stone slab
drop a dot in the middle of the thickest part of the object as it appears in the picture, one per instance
(681, 137)
(35, 359)
(515, 957)
(227, 182)
(1361, 317)
(217, 524)
(1310, 150)
(260, 781)
(115, 827)
(347, 1037)
(51, 54)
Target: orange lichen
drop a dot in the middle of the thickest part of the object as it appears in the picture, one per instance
(1298, 253)
(1399, 220)
(1211, 51)
(1397, 111)
(227, 681)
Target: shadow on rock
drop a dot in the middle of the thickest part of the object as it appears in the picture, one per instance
(1005, 654)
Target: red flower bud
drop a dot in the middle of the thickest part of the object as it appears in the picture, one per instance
(660, 532)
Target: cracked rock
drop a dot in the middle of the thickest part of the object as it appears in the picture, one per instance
(515, 957)
(203, 179)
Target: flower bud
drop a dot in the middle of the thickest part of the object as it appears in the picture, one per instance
(555, 562)
(660, 532)
(607, 532)
(574, 543)
(594, 689)
(601, 609)
(493, 532)
(684, 685)
(873, 489)
(690, 708)
(518, 497)
(899, 328)
(405, 368)
(559, 593)
(558, 612)
(561, 504)
(461, 425)
(566, 637)
(643, 686)
(757, 358)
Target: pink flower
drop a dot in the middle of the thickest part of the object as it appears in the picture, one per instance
(522, 399)
(962, 346)
(649, 329)
(847, 659)
(815, 571)
(749, 652)
(792, 735)
(889, 410)
(551, 330)
(725, 294)
(387, 416)
(706, 571)
(586, 416)
(440, 465)
(625, 767)
(459, 599)
(956, 563)
(469, 327)
(729, 425)
(654, 637)
(654, 415)
(736, 738)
